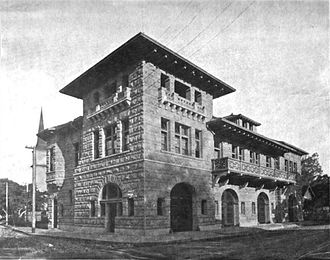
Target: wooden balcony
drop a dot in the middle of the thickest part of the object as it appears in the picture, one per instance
(240, 172)
(174, 102)
(112, 104)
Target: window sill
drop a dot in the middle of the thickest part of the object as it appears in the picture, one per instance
(110, 156)
(182, 155)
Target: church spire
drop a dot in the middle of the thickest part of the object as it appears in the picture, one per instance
(41, 143)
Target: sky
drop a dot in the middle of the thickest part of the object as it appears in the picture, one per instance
(274, 53)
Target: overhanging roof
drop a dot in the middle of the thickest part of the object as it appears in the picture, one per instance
(75, 124)
(142, 47)
(240, 116)
(231, 131)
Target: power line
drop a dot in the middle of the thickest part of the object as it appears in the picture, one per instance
(168, 27)
(233, 21)
(205, 28)
(185, 27)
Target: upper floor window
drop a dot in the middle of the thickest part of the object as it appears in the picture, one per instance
(110, 138)
(268, 162)
(182, 139)
(96, 137)
(254, 157)
(76, 147)
(124, 81)
(291, 166)
(110, 89)
(165, 81)
(234, 151)
(217, 150)
(198, 140)
(277, 163)
(286, 165)
(182, 90)
(164, 134)
(51, 159)
(295, 167)
(241, 154)
(125, 133)
(245, 124)
(198, 97)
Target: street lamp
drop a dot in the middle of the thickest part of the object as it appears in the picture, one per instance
(33, 187)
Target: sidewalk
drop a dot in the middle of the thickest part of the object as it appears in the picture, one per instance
(227, 232)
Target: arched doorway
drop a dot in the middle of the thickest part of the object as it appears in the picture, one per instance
(229, 208)
(263, 208)
(111, 205)
(181, 207)
(293, 208)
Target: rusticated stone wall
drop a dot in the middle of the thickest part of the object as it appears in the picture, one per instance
(124, 168)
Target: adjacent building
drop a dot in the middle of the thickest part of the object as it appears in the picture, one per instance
(149, 157)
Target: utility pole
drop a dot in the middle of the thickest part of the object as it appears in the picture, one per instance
(33, 187)
(7, 202)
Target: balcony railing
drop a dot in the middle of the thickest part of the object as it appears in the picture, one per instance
(174, 101)
(229, 164)
(114, 102)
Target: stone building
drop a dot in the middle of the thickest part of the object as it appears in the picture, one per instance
(148, 157)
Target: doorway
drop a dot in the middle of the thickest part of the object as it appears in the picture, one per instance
(263, 208)
(229, 208)
(181, 207)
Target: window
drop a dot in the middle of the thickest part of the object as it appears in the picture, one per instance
(241, 154)
(52, 159)
(277, 163)
(245, 124)
(253, 208)
(216, 204)
(130, 207)
(254, 157)
(291, 166)
(160, 206)
(61, 210)
(251, 127)
(70, 196)
(268, 162)
(165, 81)
(204, 207)
(110, 89)
(234, 151)
(92, 208)
(257, 158)
(110, 140)
(102, 209)
(96, 144)
(182, 90)
(294, 167)
(181, 139)
(124, 82)
(125, 132)
(76, 153)
(217, 150)
(286, 165)
(198, 97)
(164, 134)
(243, 208)
(198, 140)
